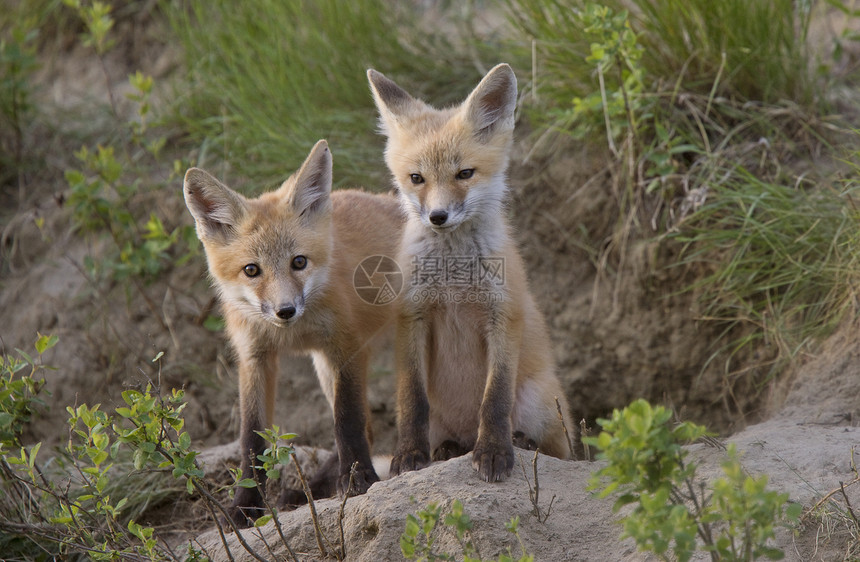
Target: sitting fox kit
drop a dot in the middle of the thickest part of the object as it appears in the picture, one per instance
(475, 367)
(283, 266)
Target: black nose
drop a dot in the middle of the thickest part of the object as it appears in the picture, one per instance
(286, 312)
(438, 217)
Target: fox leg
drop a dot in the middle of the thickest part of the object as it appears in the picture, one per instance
(257, 378)
(323, 484)
(344, 382)
(493, 455)
(413, 407)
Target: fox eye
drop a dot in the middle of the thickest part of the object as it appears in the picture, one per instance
(465, 174)
(251, 270)
(416, 178)
(299, 262)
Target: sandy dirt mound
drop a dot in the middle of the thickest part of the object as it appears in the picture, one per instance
(806, 458)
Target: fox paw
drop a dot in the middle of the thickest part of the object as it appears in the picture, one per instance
(410, 460)
(362, 480)
(493, 461)
(448, 450)
(246, 509)
(523, 442)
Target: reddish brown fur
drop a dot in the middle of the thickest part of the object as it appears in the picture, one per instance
(331, 322)
(470, 372)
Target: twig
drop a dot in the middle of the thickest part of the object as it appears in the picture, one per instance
(108, 85)
(206, 311)
(534, 492)
(265, 542)
(584, 431)
(848, 505)
(534, 71)
(564, 427)
(220, 531)
(277, 523)
(314, 518)
(168, 321)
(828, 496)
(212, 501)
(609, 139)
(352, 471)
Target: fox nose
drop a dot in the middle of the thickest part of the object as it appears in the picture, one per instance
(286, 312)
(438, 217)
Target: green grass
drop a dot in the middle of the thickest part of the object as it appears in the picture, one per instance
(267, 79)
(560, 45)
(752, 51)
(731, 100)
(782, 260)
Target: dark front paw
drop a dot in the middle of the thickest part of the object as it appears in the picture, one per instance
(493, 461)
(414, 459)
(247, 507)
(448, 449)
(358, 482)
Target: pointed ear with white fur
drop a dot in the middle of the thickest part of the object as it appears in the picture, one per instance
(310, 193)
(216, 208)
(392, 101)
(490, 107)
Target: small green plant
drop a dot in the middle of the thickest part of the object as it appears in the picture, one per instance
(733, 518)
(103, 199)
(17, 64)
(418, 540)
(98, 21)
(19, 389)
(274, 456)
(78, 506)
(615, 54)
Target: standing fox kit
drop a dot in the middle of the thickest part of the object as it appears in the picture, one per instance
(283, 266)
(475, 367)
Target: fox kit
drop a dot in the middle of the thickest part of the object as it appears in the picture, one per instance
(475, 367)
(283, 265)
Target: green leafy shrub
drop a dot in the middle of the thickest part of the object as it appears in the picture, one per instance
(19, 389)
(417, 541)
(82, 501)
(18, 62)
(733, 518)
(103, 199)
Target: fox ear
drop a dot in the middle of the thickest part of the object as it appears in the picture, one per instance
(312, 187)
(216, 208)
(391, 100)
(490, 107)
